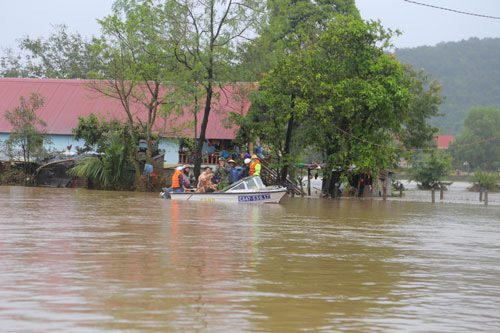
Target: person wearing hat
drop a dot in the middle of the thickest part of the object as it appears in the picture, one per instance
(255, 166)
(178, 180)
(224, 173)
(245, 172)
(235, 174)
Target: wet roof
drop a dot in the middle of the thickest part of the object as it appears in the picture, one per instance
(66, 100)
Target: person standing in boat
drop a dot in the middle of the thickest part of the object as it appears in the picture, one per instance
(224, 171)
(245, 172)
(235, 174)
(255, 166)
(178, 180)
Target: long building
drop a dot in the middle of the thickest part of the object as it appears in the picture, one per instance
(66, 100)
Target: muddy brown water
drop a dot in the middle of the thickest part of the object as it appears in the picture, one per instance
(95, 261)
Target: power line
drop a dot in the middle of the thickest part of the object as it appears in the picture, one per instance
(452, 10)
(413, 149)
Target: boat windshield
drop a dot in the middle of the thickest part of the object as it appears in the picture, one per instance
(248, 183)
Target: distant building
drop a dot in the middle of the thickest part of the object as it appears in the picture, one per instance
(443, 141)
(66, 100)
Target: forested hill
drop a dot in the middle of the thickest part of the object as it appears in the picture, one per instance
(469, 71)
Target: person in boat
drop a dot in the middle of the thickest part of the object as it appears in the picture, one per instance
(178, 180)
(245, 171)
(224, 173)
(205, 181)
(255, 166)
(187, 180)
(234, 172)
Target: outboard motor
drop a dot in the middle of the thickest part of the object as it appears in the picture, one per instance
(165, 193)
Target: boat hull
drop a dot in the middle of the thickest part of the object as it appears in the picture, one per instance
(272, 196)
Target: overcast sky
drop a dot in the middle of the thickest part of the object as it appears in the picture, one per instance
(420, 25)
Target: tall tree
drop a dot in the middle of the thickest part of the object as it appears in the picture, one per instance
(205, 36)
(134, 65)
(360, 96)
(293, 25)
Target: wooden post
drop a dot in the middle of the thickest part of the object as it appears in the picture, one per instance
(441, 193)
(433, 194)
(486, 197)
(308, 181)
(401, 190)
(384, 190)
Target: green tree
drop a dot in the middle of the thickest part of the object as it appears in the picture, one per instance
(483, 180)
(294, 26)
(417, 132)
(204, 36)
(27, 139)
(95, 131)
(432, 169)
(134, 64)
(63, 55)
(478, 145)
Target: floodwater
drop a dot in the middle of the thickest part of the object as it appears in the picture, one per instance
(95, 261)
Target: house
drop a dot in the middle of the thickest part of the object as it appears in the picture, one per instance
(66, 100)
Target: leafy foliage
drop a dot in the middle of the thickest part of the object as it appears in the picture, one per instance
(95, 132)
(62, 55)
(112, 170)
(481, 123)
(484, 180)
(432, 169)
(27, 138)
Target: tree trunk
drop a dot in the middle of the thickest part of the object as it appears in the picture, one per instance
(203, 130)
(433, 194)
(288, 139)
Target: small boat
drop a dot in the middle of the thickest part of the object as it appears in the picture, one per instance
(248, 190)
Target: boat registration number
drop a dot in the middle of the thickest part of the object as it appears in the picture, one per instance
(249, 198)
(207, 200)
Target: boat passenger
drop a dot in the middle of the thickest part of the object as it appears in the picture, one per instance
(235, 174)
(187, 180)
(224, 170)
(255, 166)
(178, 180)
(245, 171)
(205, 181)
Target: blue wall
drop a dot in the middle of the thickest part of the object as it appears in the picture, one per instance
(60, 142)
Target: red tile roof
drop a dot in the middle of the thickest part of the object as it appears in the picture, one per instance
(443, 141)
(66, 100)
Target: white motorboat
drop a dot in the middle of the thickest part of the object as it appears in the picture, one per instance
(246, 190)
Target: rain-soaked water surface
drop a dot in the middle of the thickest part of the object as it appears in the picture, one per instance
(78, 260)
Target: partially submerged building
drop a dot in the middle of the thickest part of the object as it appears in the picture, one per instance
(66, 100)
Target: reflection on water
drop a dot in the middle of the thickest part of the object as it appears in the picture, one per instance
(78, 260)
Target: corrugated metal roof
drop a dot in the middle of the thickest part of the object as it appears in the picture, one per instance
(66, 100)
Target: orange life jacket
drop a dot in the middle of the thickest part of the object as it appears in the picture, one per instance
(175, 179)
(251, 172)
